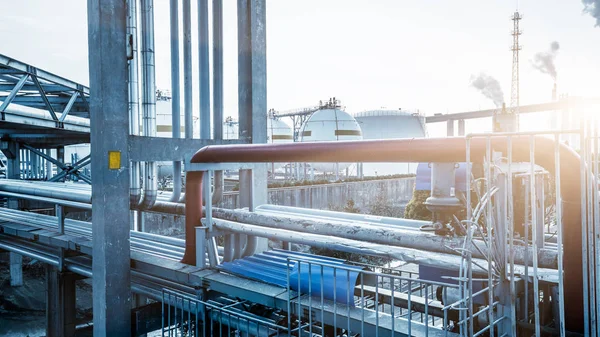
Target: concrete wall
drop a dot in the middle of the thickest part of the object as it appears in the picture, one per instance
(334, 196)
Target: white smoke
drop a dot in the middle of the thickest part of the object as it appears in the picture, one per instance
(489, 87)
(593, 8)
(544, 61)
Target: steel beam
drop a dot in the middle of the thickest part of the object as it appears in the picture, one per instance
(109, 139)
(69, 106)
(252, 100)
(163, 149)
(13, 93)
(45, 99)
(11, 65)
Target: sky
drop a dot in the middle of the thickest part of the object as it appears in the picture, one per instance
(417, 55)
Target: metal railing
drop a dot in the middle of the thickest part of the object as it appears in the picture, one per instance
(186, 316)
(363, 300)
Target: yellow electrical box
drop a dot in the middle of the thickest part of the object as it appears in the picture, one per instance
(114, 160)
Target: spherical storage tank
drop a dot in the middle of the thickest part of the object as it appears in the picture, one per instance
(329, 125)
(277, 132)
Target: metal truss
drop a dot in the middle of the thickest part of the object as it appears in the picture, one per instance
(72, 170)
(26, 85)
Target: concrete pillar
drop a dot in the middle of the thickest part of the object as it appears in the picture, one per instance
(109, 137)
(461, 127)
(252, 95)
(60, 303)
(16, 270)
(450, 128)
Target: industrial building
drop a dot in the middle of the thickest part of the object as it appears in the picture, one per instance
(508, 245)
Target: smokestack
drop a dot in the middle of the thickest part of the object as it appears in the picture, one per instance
(554, 98)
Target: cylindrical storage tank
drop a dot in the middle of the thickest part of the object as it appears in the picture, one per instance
(390, 124)
(329, 125)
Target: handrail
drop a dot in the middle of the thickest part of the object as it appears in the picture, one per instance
(411, 150)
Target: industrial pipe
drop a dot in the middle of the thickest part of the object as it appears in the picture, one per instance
(413, 150)
(175, 95)
(187, 70)
(135, 192)
(398, 236)
(217, 19)
(148, 99)
(445, 261)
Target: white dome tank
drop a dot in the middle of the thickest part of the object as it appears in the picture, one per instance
(278, 132)
(329, 125)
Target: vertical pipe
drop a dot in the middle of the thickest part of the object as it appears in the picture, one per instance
(134, 106)
(28, 164)
(148, 98)
(218, 68)
(590, 229)
(204, 71)
(187, 69)
(558, 207)
(511, 238)
(218, 89)
(596, 213)
(488, 221)
(48, 165)
(534, 241)
(584, 260)
(175, 95)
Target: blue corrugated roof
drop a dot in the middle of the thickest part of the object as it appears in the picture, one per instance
(307, 272)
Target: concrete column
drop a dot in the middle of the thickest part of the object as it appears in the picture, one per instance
(110, 160)
(252, 95)
(461, 127)
(16, 270)
(60, 303)
(450, 128)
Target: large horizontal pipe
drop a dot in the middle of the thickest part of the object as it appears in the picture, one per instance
(323, 214)
(365, 232)
(444, 261)
(414, 150)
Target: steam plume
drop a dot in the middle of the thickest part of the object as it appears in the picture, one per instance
(544, 61)
(489, 87)
(593, 7)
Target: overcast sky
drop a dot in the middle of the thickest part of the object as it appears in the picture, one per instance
(370, 54)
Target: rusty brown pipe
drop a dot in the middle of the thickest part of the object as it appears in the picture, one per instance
(413, 150)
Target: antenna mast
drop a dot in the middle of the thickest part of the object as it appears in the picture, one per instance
(516, 47)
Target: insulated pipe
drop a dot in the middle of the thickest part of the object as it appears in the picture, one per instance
(175, 95)
(187, 69)
(413, 150)
(204, 71)
(148, 99)
(372, 233)
(217, 7)
(445, 261)
(135, 192)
